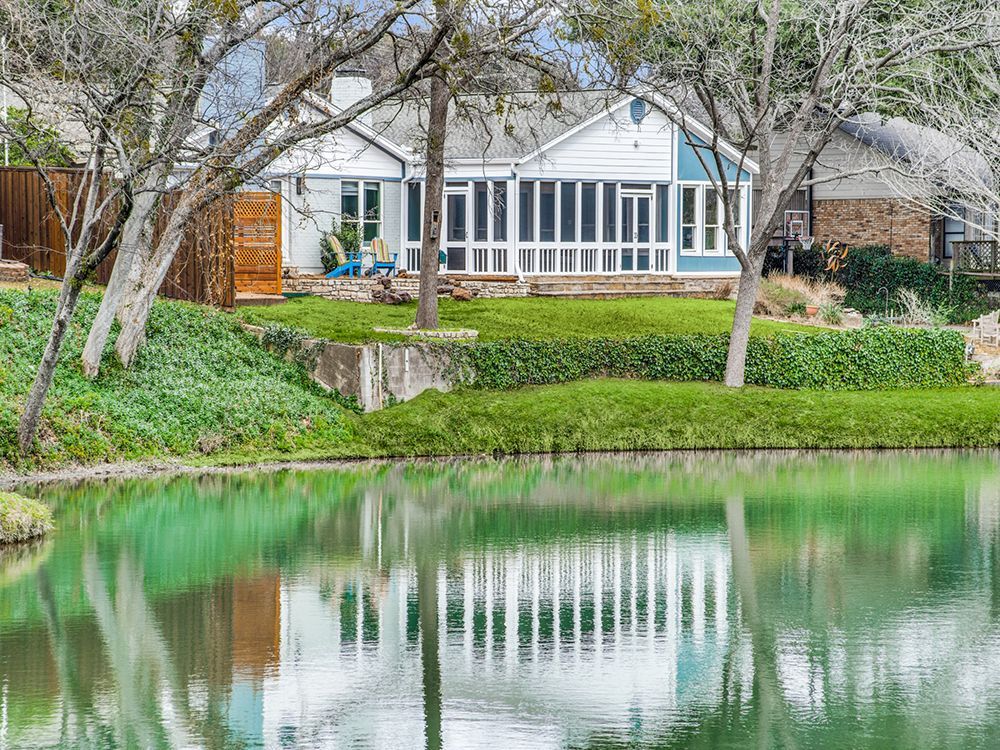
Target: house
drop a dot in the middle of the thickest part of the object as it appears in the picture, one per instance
(578, 184)
(901, 191)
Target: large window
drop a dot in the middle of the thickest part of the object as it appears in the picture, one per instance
(703, 219)
(526, 212)
(361, 205)
(588, 212)
(546, 212)
(711, 223)
(567, 212)
(413, 216)
(737, 217)
(689, 219)
(500, 211)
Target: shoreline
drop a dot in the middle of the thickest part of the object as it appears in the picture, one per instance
(128, 470)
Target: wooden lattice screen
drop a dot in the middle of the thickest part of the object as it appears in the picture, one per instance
(257, 242)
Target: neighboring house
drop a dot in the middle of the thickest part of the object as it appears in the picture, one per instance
(897, 172)
(585, 182)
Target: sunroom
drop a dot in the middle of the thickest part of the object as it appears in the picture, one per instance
(609, 197)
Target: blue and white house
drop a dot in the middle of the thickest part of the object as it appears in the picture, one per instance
(580, 183)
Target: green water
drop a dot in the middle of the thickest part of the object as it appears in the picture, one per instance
(769, 600)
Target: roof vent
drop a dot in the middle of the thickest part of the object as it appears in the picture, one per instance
(637, 109)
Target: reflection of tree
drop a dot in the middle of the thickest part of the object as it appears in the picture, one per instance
(430, 652)
(773, 711)
(139, 658)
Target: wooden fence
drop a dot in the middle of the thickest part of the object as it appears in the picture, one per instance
(202, 271)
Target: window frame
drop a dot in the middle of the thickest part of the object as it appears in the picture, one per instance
(362, 221)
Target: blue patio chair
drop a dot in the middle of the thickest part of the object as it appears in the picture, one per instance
(348, 264)
(383, 259)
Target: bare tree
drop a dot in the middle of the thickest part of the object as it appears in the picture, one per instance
(774, 81)
(485, 51)
(430, 242)
(256, 141)
(94, 71)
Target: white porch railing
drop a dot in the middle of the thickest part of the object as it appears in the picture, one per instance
(553, 259)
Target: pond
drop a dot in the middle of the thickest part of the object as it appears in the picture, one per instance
(676, 600)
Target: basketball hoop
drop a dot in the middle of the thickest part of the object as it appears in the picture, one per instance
(806, 243)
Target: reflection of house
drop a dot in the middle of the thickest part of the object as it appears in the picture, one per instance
(585, 182)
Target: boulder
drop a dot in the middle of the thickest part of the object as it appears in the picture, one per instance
(461, 294)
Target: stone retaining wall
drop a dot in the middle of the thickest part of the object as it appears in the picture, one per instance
(364, 290)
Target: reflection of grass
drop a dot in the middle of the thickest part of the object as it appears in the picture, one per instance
(529, 318)
(20, 559)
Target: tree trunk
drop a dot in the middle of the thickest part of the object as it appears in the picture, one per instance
(137, 237)
(27, 428)
(146, 279)
(746, 298)
(437, 128)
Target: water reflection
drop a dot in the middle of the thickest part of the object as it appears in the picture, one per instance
(775, 600)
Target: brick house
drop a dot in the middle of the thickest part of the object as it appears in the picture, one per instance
(882, 202)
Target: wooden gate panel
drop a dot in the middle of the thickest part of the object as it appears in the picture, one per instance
(257, 242)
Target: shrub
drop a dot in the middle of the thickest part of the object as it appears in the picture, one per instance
(860, 359)
(831, 313)
(781, 294)
(350, 241)
(873, 274)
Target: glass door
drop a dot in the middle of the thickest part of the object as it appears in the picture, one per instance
(635, 231)
(456, 223)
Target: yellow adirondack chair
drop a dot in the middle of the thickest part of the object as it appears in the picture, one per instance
(384, 260)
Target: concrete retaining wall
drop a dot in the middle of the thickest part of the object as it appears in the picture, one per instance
(376, 374)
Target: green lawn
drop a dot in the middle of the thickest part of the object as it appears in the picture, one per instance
(531, 317)
(636, 415)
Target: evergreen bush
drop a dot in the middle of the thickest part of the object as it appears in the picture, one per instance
(869, 358)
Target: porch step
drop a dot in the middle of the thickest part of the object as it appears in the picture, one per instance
(609, 294)
(247, 299)
(606, 287)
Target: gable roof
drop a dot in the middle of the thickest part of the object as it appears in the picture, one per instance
(945, 159)
(510, 127)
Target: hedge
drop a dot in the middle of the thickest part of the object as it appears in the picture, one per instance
(872, 270)
(871, 358)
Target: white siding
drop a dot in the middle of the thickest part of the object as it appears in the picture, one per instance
(845, 153)
(612, 148)
(342, 153)
(310, 215)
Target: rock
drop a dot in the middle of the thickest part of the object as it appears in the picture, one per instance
(405, 297)
(385, 281)
(460, 294)
(445, 289)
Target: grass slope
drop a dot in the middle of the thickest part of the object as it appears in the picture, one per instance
(200, 385)
(529, 318)
(635, 415)
(22, 518)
